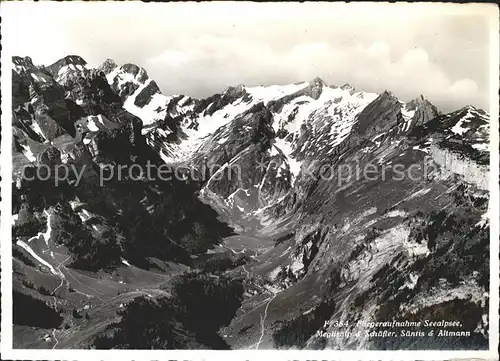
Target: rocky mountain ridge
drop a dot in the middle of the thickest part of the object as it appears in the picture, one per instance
(278, 205)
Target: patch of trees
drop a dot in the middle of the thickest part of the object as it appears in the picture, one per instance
(157, 219)
(296, 332)
(219, 262)
(279, 240)
(199, 306)
(20, 255)
(458, 248)
(29, 311)
(29, 228)
(38, 195)
(90, 252)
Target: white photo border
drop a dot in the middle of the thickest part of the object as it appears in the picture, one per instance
(490, 13)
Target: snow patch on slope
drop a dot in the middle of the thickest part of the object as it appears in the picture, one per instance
(36, 256)
(329, 119)
(273, 92)
(207, 125)
(460, 127)
(294, 165)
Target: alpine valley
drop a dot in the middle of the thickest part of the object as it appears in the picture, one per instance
(268, 240)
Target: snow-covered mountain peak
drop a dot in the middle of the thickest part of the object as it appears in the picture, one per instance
(67, 68)
(127, 73)
(75, 60)
(234, 89)
(480, 112)
(308, 117)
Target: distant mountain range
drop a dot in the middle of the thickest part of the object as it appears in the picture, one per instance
(294, 247)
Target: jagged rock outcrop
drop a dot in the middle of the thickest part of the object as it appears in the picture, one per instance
(348, 87)
(70, 63)
(22, 64)
(140, 74)
(39, 100)
(424, 110)
(379, 116)
(126, 79)
(97, 133)
(145, 95)
(20, 90)
(107, 66)
(314, 89)
(245, 160)
(211, 104)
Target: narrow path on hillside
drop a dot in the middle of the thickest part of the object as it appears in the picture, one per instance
(263, 321)
(263, 318)
(63, 279)
(259, 245)
(55, 338)
(246, 271)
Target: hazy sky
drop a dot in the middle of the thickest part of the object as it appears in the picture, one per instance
(441, 51)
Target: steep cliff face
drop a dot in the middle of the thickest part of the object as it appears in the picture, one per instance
(452, 162)
(465, 131)
(346, 235)
(246, 169)
(372, 249)
(107, 66)
(39, 103)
